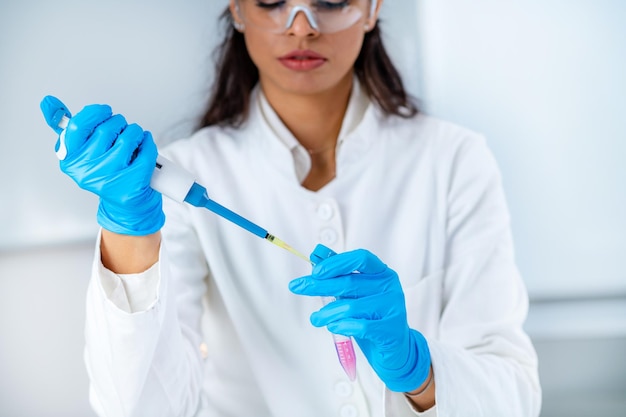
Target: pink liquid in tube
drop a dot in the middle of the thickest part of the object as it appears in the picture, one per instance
(345, 352)
(345, 349)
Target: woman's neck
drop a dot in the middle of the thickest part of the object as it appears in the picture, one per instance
(314, 119)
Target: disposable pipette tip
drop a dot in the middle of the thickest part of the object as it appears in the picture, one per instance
(281, 244)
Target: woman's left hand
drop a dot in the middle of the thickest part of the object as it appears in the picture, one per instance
(370, 307)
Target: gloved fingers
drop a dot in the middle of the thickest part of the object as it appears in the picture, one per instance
(346, 309)
(138, 174)
(147, 153)
(53, 111)
(95, 175)
(352, 285)
(337, 319)
(126, 146)
(375, 332)
(344, 263)
(81, 126)
(340, 286)
(356, 328)
(103, 137)
(109, 175)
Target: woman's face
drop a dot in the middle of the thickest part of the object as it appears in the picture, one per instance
(301, 59)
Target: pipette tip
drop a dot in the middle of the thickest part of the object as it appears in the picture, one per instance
(276, 241)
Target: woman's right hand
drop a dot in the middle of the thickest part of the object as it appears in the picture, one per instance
(115, 161)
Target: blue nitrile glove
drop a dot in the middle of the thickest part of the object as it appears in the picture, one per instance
(370, 307)
(113, 160)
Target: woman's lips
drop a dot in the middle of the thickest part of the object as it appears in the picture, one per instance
(302, 60)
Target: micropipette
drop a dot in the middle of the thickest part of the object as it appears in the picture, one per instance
(180, 185)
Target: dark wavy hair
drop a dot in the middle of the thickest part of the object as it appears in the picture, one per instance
(236, 76)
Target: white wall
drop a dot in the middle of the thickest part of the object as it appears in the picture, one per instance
(543, 80)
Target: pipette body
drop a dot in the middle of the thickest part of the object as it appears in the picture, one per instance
(179, 185)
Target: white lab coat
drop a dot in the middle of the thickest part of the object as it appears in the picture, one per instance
(212, 329)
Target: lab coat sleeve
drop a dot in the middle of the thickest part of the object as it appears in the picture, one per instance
(147, 362)
(130, 292)
(483, 361)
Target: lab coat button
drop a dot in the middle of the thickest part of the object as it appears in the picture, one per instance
(325, 211)
(328, 236)
(348, 410)
(343, 389)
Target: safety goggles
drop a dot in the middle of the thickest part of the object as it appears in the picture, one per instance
(327, 16)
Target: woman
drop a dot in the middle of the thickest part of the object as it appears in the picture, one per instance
(310, 133)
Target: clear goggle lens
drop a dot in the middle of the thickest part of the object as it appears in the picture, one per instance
(324, 16)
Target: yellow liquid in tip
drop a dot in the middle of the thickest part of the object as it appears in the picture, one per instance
(276, 241)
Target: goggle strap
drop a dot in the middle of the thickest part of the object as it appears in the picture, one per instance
(373, 8)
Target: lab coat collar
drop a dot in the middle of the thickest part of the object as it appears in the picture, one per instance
(358, 105)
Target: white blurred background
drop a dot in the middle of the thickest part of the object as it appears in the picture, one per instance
(544, 80)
